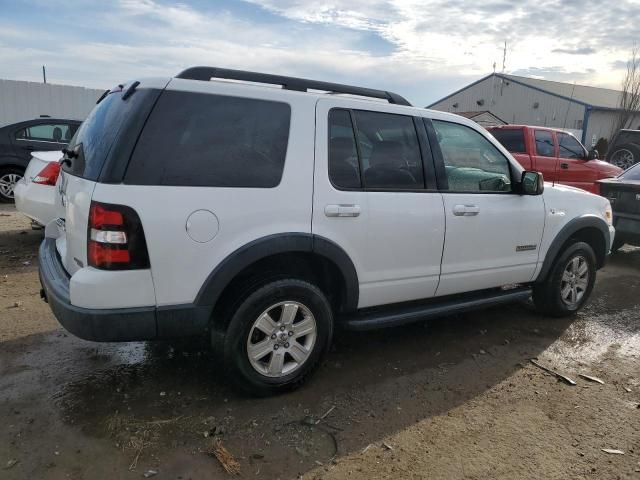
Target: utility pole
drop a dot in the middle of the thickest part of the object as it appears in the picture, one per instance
(44, 74)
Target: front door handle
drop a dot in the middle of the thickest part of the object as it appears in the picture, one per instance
(466, 210)
(564, 166)
(342, 210)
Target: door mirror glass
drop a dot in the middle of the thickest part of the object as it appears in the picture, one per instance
(532, 183)
(593, 154)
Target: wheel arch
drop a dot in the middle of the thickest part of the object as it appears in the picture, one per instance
(298, 252)
(590, 229)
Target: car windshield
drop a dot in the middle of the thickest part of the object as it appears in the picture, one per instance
(632, 173)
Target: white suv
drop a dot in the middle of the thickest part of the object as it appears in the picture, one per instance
(266, 217)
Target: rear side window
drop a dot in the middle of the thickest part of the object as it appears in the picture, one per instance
(212, 141)
(344, 171)
(632, 174)
(47, 132)
(512, 139)
(544, 143)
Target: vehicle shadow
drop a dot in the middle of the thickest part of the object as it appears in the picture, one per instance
(370, 386)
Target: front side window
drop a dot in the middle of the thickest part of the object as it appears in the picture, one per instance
(544, 143)
(45, 132)
(570, 147)
(209, 140)
(390, 154)
(472, 163)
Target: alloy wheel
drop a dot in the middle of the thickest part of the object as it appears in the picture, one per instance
(575, 281)
(281, 339)
(623, 158)
(8, 183)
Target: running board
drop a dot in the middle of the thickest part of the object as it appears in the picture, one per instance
(403, 314)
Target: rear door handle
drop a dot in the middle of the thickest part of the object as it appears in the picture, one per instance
(466, 210)
(342, 210)
(564, 166)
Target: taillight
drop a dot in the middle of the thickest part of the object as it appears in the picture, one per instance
(115, 238)
(48, 175)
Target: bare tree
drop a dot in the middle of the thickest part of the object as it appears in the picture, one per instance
(629, 103)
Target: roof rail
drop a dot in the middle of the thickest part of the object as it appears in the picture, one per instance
(288, 83)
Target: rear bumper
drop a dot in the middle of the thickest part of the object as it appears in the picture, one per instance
(627, 224)
(36, 201)
(116, 324)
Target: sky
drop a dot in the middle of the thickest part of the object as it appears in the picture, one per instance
(421, 49)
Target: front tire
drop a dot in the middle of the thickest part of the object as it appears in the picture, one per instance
(277, 336)
(569, 284)
(9, 178)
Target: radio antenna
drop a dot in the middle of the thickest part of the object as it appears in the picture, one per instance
(564, 125)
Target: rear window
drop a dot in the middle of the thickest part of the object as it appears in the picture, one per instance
(212, 141)
(511, 139)
(109, 131)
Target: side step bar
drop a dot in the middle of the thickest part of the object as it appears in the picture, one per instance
(402, 315)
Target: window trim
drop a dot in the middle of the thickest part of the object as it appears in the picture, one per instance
(428, 178)
(29, 139)
(443, 182)
(582, 147)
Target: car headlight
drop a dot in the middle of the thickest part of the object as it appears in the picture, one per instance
(608, 214)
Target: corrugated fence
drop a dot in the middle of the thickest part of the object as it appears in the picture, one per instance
(26, 100)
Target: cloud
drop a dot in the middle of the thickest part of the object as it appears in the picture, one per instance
(424, 49)
(575, 51)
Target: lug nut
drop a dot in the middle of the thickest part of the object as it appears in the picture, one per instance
(286, 345)
(275, 347)
(291, 333)
(273, 337)
(282, 328)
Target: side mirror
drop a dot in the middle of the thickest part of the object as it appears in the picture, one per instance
(532, 183)
(593, 154)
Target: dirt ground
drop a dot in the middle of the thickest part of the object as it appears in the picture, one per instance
(455, 398)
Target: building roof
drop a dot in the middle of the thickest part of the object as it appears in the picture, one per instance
(594, 96)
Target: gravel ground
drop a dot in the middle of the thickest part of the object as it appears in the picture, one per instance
(455, 398)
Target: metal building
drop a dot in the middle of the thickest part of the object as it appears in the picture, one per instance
(588, 112)
(26, 100)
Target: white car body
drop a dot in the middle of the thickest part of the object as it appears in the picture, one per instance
(37, 201)
(388, 246)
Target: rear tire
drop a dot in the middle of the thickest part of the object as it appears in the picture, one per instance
(9, 177)
(569, 284)
(277, 336)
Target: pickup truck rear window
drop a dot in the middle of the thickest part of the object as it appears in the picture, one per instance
(512, 139)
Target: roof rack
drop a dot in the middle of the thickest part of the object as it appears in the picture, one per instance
(288, 83)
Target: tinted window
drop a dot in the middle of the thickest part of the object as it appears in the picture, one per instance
(389, 149)
(570, 147)
(212, 140)
(112, 124)
(472, 163)
(544, 143)
(344, 170)
(55, 132)
(511, 139)
(632, 174)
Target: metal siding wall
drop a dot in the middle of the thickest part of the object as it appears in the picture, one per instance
(26, 100)
(513, 103)
(601, 124)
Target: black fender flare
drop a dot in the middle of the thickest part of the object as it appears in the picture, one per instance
(566, 232)
(264, 247)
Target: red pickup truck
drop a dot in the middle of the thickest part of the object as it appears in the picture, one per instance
(557, 154)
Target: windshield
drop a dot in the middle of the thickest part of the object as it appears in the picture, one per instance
(632, 173)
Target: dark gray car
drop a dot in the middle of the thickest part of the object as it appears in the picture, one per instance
(18, 140)
(624, 150)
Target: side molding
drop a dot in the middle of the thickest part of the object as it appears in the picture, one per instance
(264, 247)
(573, 226)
